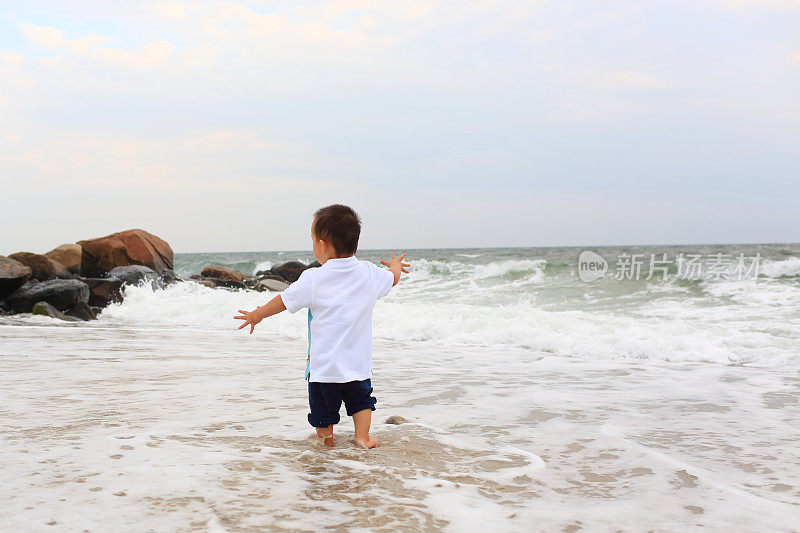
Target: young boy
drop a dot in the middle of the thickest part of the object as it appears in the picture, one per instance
(340, 295)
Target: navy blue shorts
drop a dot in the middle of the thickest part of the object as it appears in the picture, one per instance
(325, 400)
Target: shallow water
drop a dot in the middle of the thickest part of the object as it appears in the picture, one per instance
(113, 426)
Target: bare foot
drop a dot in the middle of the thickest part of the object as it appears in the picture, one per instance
(370, 443)
(325, 436)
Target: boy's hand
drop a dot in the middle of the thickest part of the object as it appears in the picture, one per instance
(396, 265)
(261, 312)
(396, 262)
(250, 317)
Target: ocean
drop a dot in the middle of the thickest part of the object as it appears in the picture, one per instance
(546, 389)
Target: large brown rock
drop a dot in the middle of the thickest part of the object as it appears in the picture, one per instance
(12, 275)
(42, 267)
(222, 273)
(129, 247)
(68, 255)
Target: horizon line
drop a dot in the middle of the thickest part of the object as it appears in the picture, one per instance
(396, 248)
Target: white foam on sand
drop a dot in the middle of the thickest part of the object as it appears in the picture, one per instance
(108, 426)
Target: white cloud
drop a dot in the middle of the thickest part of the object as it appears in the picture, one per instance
(745, 5)
(639, 80)
(149, 55)
(11, 59)
(46, 36)
(211, 160)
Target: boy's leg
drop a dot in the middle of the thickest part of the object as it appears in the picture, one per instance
(360, 403)
(362, 420)
(324, 401)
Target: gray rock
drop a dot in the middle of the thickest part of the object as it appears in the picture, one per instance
(167, 277)
(133, 274)
(104, 291)
(13, 275)
(63, 294)
(396, 419)
(82, 311)
(46, 309)
(266, 274)
(289, 271)
(272, 285)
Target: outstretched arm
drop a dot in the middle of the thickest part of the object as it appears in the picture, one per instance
(397, 266)
(273, 307)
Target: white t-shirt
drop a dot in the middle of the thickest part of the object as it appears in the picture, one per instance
(341, 294)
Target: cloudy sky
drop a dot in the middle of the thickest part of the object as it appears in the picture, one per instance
(221, 126)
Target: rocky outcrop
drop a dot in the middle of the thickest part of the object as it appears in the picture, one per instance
(68, 255)
(63, 294)
(289, 271)
(219, 276)
(13, 275)
(219, 272)
(56, 278)
(130, 247)
(42, 267)
(277, 278)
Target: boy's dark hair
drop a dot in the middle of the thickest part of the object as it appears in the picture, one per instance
(340, 226)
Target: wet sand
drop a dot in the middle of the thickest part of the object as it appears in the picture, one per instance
(109, 427)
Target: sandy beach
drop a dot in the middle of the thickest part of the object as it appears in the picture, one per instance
(113, 427)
